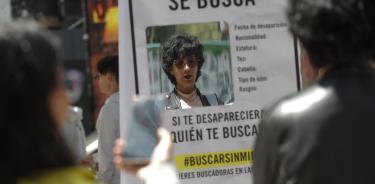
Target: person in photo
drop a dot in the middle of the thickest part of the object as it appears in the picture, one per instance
(182, 60)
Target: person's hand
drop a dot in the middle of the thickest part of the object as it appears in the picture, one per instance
(118, 152)
(161, 168)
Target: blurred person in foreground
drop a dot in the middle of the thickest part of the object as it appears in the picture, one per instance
(33, 108)
(324, 134)
(108, 124)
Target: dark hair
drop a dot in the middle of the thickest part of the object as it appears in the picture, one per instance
(180, 46)
(109, 64)
(334, 31)
(30, 139)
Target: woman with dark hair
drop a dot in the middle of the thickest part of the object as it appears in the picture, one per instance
(182, 60)
(33, 106)
(108, 122)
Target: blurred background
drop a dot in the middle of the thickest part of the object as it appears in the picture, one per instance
(216, 73)
(88, 30)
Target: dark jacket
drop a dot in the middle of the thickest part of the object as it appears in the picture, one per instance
(324, 135)
(173, 100)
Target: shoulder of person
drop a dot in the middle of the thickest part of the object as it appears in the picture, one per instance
(213, 99)
(113, 99)
(72, 175)
(169, 95)
(75, 115)
(172, 101)
(112, 103)
(289, 110)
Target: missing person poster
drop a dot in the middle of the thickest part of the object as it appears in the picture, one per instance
(219, 63)
(214, 145)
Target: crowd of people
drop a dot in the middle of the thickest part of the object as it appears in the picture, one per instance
(320, 135)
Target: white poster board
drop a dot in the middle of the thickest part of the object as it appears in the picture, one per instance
(250, 62)
(214, 144)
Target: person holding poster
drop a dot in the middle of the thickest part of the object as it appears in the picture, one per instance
(182, 59)
(324, 134)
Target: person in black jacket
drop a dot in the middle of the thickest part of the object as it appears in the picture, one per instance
(324, 134)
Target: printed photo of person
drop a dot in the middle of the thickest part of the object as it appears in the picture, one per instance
(190, 64)
(182, 60)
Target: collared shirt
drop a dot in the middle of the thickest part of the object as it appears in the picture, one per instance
(188, 101)
(108, 129)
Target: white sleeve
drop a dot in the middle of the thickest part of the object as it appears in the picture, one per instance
(108, 130)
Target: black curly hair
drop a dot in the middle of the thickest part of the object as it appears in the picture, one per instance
(180, 46)
(334, 31)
